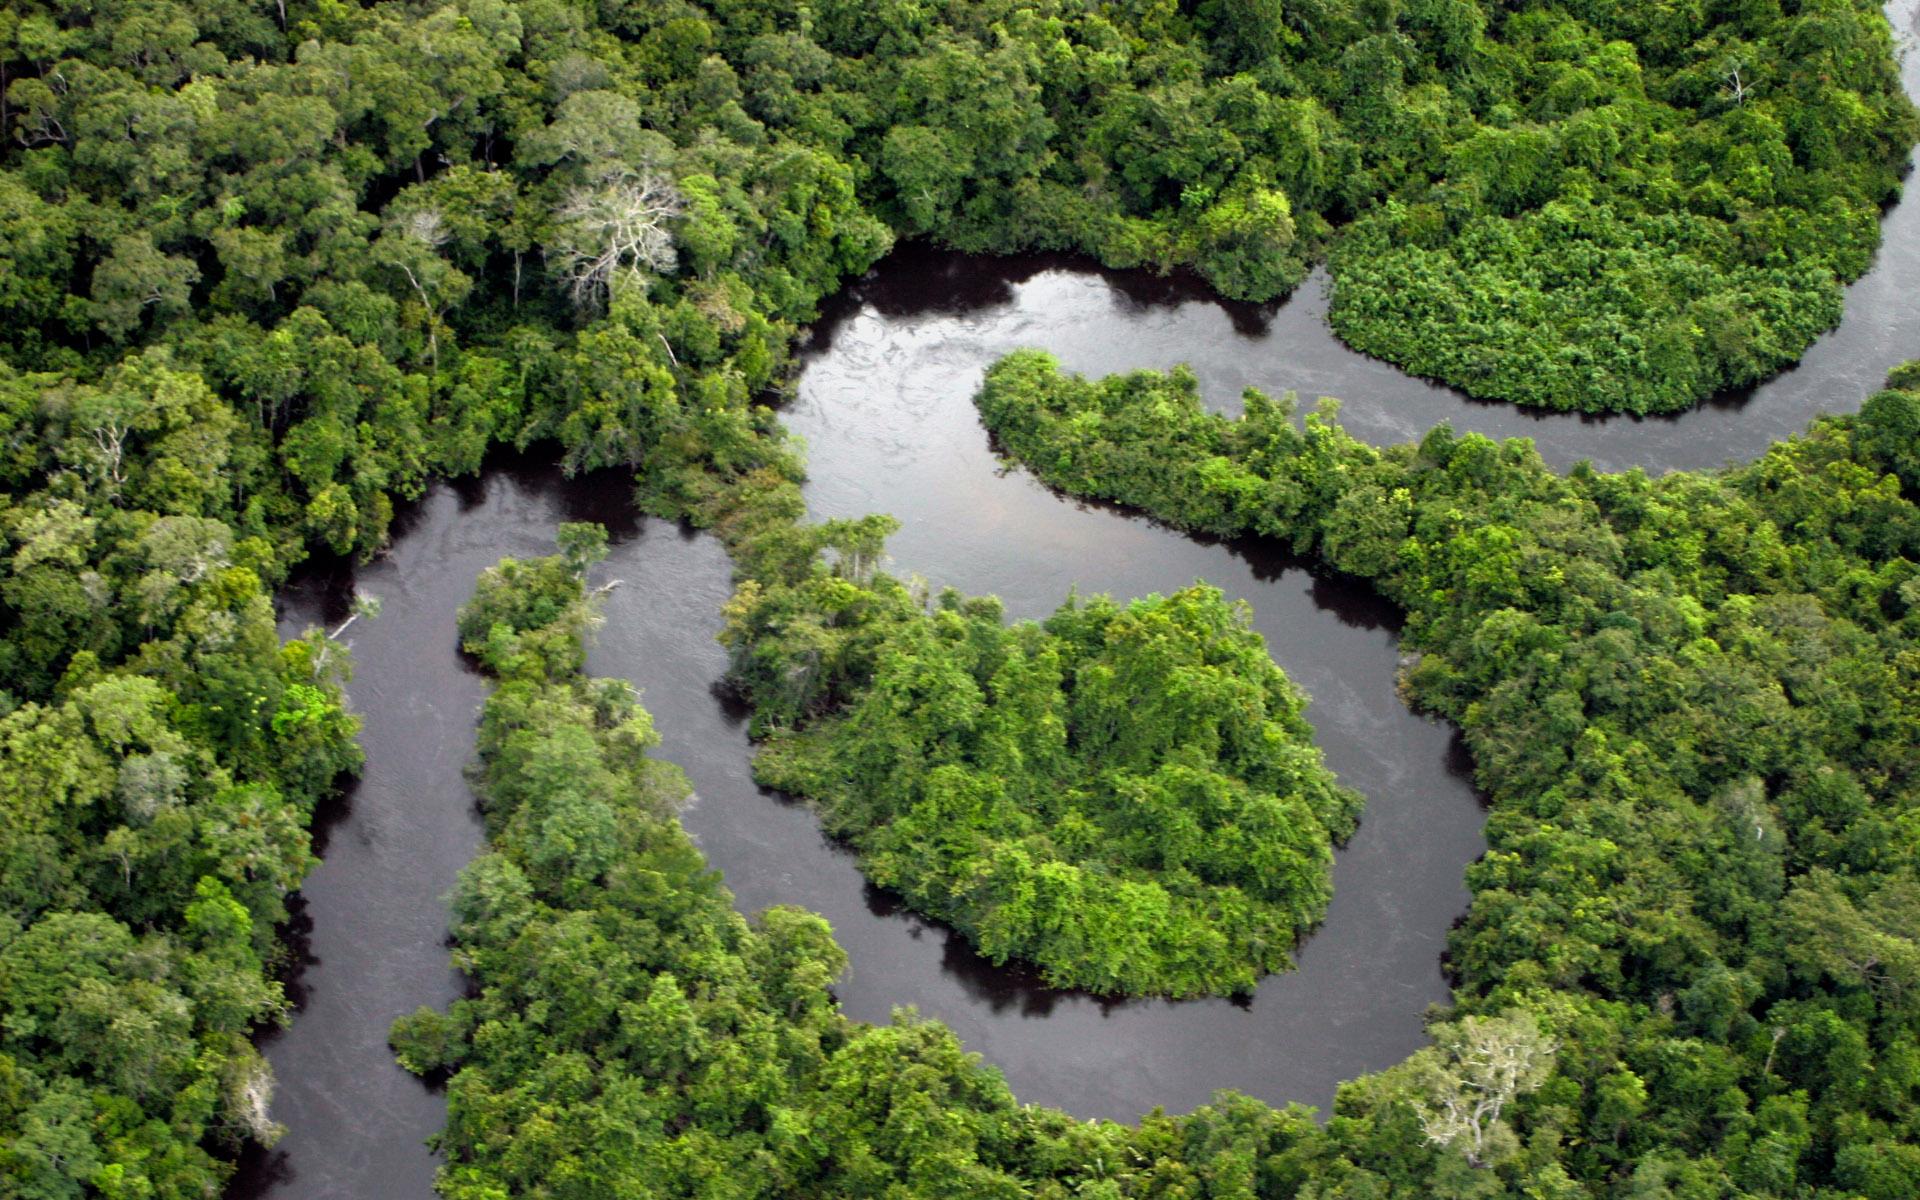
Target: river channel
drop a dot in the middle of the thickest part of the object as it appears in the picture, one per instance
(884, 404)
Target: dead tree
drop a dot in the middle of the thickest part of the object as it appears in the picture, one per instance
(617, 228)
(1476, 1069)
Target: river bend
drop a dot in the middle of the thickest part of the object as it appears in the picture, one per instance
(883, 402)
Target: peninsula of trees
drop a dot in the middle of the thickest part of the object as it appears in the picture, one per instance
(1694, 702)
(1125, 796)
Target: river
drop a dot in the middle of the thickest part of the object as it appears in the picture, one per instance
(883, 401)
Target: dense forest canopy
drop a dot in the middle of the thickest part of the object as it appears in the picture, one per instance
(268, 268)
(1693, 703)
(1578, 205)
(1126, 796)
(161, 755)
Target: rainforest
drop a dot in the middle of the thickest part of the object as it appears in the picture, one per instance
(288, 289)
(1124, 796)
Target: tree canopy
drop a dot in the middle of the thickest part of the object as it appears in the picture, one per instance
(161, 757)
(267, 269)
(1691, 702)
(1126, 796)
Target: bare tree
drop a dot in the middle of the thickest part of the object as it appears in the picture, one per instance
(105, 423)
(323, 640)
(1737, 86)
(110, 438)
(249, 1100)
(616, 228)
(364, 605)
(1475, 1069)
(39, 123)
(426, 226)
(415, 251)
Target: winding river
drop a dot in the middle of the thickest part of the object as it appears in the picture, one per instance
(883, 402)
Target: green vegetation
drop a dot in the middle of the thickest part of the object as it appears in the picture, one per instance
(635, 1036)
(267, 269)
(1688, 970)
(1125, 796)
(1693, 702)
(161, 754)
(394, 235)
(1618, 206)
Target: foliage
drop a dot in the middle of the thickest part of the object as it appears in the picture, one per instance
(633, 1035)
(1691, 700)
(1125, 796)
(362, 225)
(526, 616)
(267, 269)
(161, 754)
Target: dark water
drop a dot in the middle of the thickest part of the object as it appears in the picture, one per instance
(884, 403)
(372, 924)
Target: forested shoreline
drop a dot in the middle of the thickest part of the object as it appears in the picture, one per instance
(1690, 701)
(634, 1035)
(162, 755)
(267, 269)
